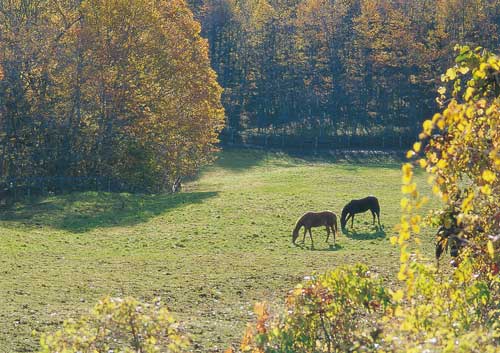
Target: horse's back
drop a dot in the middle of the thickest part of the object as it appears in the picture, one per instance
(316, 219)
(374, 203)
(364, 204)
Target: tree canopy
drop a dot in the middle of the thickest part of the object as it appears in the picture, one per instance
(337, 66)
(121, 89)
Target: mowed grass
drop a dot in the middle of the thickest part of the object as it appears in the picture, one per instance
(209, 252)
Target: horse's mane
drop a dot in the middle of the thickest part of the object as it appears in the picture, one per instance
(298, 225)
(345, 210)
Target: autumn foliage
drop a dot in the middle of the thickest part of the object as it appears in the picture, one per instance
(328, 67)
(117, 89)
(119, 325)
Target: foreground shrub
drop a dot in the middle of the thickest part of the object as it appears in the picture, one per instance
(335, 312)
(118, 325)
(349, 311)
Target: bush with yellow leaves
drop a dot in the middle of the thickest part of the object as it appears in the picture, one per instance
(119, 325)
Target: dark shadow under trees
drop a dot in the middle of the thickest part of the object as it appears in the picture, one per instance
(81, 212)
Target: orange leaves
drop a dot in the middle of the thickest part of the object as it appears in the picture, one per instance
(262, 313)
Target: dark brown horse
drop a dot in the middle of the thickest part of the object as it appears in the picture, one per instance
(360, 206)
(316, 219)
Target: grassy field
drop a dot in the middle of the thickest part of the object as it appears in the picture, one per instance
(209, 252)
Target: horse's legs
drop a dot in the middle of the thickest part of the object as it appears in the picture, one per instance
(352, 220)
(311, 235)
(347, 219)
(373, 215)
(327, 233)
(333, 230)
(304, 239)
(378, 218)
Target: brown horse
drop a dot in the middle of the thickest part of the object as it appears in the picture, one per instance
(316, 219)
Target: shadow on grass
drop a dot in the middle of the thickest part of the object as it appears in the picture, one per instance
(236, 159)
(80, 212)
(240, 159)
(319, 246)
(378, 232)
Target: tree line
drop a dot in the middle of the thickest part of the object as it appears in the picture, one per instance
(337, 66)
(125, 91)
(121, 90)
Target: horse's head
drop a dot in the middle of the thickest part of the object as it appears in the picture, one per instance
(343, 217)
(295, 235)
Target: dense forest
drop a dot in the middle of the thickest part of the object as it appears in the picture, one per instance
(338, 66)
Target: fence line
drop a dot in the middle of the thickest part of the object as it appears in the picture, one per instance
(27, 187)
(294, 142)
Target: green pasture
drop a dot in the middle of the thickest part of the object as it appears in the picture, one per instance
(210, 252)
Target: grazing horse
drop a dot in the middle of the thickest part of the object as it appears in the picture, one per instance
(360, 206)
(316, 219)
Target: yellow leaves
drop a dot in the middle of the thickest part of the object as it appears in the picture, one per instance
(407, 172)
(409, 188)
(262, 313)
(435, 118)
(422, 201)
(463, 70)
(246, 342)
(416, 146)
(441, 124)
(441, 90)
(442, 164)
(410, 154)
(402, 272)
(428, 126)
(415, 219)
(468, 93)
(470, 112)
(404, 256)
(422, 162)
(486, 189)
(490, 248)
(114, 319)
(398, 295)
(494, 63)
(488, 176)
(467, 204)
(451, 74)
(404, 203)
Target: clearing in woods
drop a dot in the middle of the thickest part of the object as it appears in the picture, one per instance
(209, 252)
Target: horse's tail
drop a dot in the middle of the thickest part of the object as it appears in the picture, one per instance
(335, 224)
(376, 206)
(295, 233)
